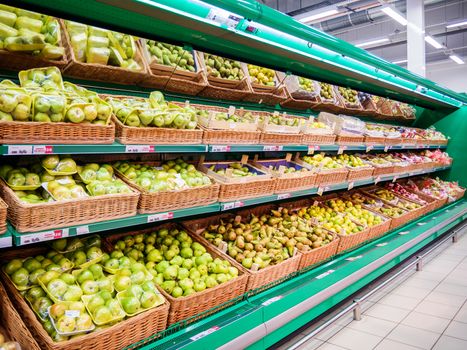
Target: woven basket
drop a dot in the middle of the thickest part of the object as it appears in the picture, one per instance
(379, 230)
(36, 217)
(186, 307)
(3, 216)
(390, 141)
(116, 337)
(329, 105)
(272, 98)
(251, 189)
(347, 242)
(383, 170)
(318, 139)
(460, 194)
(270, 138)
(383, 108)
(298, 98)
(372, 140)
(13, 323)
(359, 173)
(369, 108)
(348, 108)
(350, 140)
(100, 72)
(130, 135)
(17, 61)
(153, 202)
(56, 133)
(320, 254)
(165, 77)
(211, 136)
(332, 176)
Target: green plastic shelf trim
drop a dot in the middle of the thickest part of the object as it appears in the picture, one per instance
(307, 295)
(142, 219)
(118, 148)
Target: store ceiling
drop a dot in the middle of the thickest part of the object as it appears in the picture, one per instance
(360, 21)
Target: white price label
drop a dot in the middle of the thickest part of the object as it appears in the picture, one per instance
(421, 223)
(327, 273)
(353, 258)
(350, 186)
(377, 179)
(220, 148)
(19, 149)
(43, 236)
(223, 17)
(82, 230)
(312, 149)
(205, 333)
(369, 148)
(6, 241)
(272, 300)
(382, 244)
(139, 149)
(272, 148)
(404, 232)
(341, 149)
(72, 313)
(283, 196)
(386, 148)
(160, 217)
(322, 189)
(42, 150)
(232, 205)
(394, 179)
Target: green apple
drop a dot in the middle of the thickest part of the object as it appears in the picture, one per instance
(83, 322)
(73, 293)
(103, 112)
(13, 266)
(148, 299)
(50, 162)
(133, 120)
(66, 324)
(103, 315)
(35, 293)
(95, 302)
(75, 115)
(20, 277)
(5, 117)
(85, 275)
(68, 278)
(42, 104)
(7, 103)
(57, 287)
(90, 287)
(130, 304)
(49, 276)
(57, 117)
(21, 112)
(90, 112)
(122, 283)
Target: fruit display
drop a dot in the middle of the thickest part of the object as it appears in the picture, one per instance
(221, 67)
(233, 119)
(153, 112)
(86, 256)
(20, 178)
(261, 75)
(139, 298)
(350, 160)
(180, 265)
(170, 55)
(101, 46)
(60, 286)
(437, 188)
(377, 205)
(280, 167)
(375, 161)
(356, 211)
(349, 95)
(344, 126)
(314, 124)
(15, 104)
(322, 161)
(172, 175)
(103, 308)
(47, 78)
(326, 91)
(70, 318)
(404, 192)
(233, 170)
(30, 33)
(100, 179)
(260, 241)
(380, 130)
(93, 280)
(437, 156)
(306, 84)
(392, 198)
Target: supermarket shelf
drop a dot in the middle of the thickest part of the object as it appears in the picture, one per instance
(20, 239)
(116, 147)
(259, 321)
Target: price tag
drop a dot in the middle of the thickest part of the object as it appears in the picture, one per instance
(6, 241)
(139, 149)
(223, 17)
(220, 148)
(421, 223)
(72, 313)
(160, 217)
(312, 149)
(402, 233)
(350, 186)
(43, 236)
(386, 148)
(19, 149)
(272, 300)
(42, 150)
(231, 110)
(205, 333)
(394, 179)
(232, 205)
(341, 149)
(382, 244)
(283, 196)
(377, 179)
(272, 148)
(369, 148)
(82, 230)
(327, 273)
(353, 258)
(322, 189)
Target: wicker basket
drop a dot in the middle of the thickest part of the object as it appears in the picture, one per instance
(3, 216)
(329, 177)
(373, 140)
(350, 140)
(116, 337)
(130, 135)
(390, 141)
(264, 94)
(359, 173)
(153, 202)
(369, 108)
(348, 107)
(320, 254)
(383, 108)
(318, 139)
(379, 230)
(228, 137)
(165, 77)
(332, 105)
(275, 138)
(186, 307)
(347, 242)
(297, 97)
(56, 133)
(382, 170)
(100, 72)
(27, 217)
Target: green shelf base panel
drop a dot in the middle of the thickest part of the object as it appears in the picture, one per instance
(118, 148)
(25, 238)
(261, 320)
(279, 42)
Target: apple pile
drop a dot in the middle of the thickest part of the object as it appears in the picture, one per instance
(356, 211)
(171, 55)
(70, 318)
(348, 94)
(377, 205)
(93, 280)
(352, 161)
(101, 46)
(47, 78)
(278, 119)
(100, 179)
(20, 177)
(30, 33)
(389, 196)
(403, 191)
(15, 104)
(221, 67)
(172, 175)
(326, 91)
(103, 308)
(180, 266)
(321, 161)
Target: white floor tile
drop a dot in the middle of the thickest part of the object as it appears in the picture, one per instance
(457, 330)
(446, 299)
(328, 332)
(461, 316)
(388, 344)
(413, 292)
(436, 309)
(355, 340)
(419, 282)
(328, 346)
(451, 288)
(289, 343)
(387, 313)
(312, 344)
(426, 322)
(450, 343)
(373, 325)
(413, 336)
(400, 301)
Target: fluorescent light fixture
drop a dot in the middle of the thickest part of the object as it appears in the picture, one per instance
(456, 59)
(372, 42)
(430, 40)
(319, 15)
(394, 14)
(458, 24)
(400, 62)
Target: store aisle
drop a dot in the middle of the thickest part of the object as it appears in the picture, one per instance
(425, 310)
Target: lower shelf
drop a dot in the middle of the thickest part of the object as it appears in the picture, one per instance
(260, 320)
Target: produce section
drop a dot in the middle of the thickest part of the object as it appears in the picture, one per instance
(100, 154)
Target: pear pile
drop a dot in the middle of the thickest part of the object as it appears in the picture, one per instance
(351, 160)
(221, 67)
(278, 119)
(358, 213)
(233, 170)
(348, 94)
(306, 84)
(171, 55)
(261, 75)
(389, 196)
(326, 91)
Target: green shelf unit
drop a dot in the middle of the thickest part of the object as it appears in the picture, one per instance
(118, 148)
(259, 321)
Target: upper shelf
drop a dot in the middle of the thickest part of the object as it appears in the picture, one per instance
(255, 33)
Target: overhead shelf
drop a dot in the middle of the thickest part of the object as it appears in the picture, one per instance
(116, 147)
(26, 238)
(259, 321)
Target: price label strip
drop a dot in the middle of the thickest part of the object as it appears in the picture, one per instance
(232, 205)
(341, 149)
(139, 149)
(160, 217)
(272, 300)
(312, 149)
(324, 274)
(205, 333)
(220, 148)
(382, 244)
(283, 196)
(82, 230)
(272, 148)
(44, 236)
(353, 258)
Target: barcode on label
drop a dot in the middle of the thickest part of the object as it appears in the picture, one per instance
(139, 149)
(220, 148)
(160, 216)
(44, 236)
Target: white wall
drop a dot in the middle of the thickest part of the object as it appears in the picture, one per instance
(448, 74)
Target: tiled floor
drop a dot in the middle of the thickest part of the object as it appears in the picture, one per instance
(423, 310)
